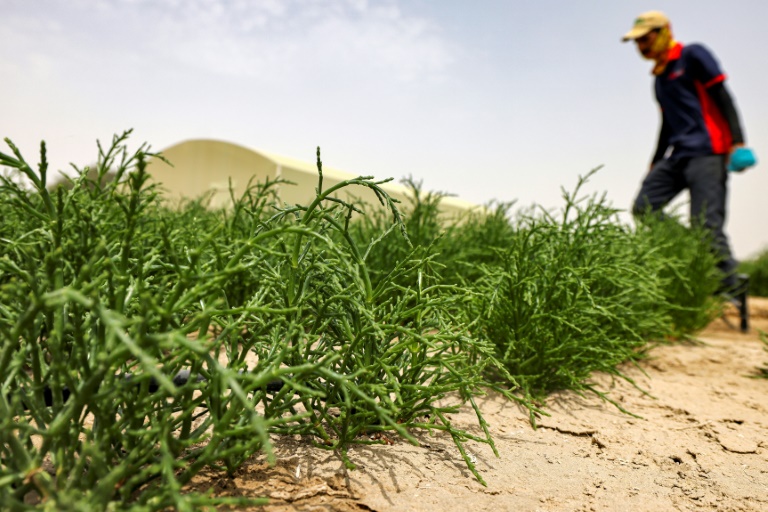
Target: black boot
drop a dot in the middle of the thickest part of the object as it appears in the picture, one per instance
(737, 295)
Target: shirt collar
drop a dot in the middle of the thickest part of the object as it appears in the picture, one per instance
(674, 52)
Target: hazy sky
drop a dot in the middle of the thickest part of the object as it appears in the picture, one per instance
(495, 99)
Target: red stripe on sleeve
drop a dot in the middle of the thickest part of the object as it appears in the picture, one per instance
(717, 126)
(719, 78)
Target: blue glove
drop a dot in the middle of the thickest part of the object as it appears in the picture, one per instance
(741, 158)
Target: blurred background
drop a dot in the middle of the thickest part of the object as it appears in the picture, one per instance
(489, 101)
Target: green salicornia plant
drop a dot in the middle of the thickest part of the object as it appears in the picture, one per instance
(569, 298)
(561, 296)
(404, 353)
(142, 342)
(457, 244)
(89, 412)
(681, 257)
(422, 230)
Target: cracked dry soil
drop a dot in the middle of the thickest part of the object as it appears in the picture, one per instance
(700, 443)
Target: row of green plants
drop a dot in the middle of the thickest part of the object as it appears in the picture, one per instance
(338, 321)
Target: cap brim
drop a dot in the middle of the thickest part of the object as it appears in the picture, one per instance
(635, 33)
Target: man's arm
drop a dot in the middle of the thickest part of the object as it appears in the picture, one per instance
(724, 102)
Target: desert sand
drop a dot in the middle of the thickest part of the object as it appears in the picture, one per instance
(699, 441)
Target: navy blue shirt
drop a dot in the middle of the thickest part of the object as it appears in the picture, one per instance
(692, 124)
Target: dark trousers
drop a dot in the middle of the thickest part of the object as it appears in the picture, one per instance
(706, 178)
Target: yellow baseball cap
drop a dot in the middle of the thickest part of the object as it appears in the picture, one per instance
(645, 23)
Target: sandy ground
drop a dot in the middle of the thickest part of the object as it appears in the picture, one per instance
(701, 444)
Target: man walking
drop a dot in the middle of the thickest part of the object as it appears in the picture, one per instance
(700, 133)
